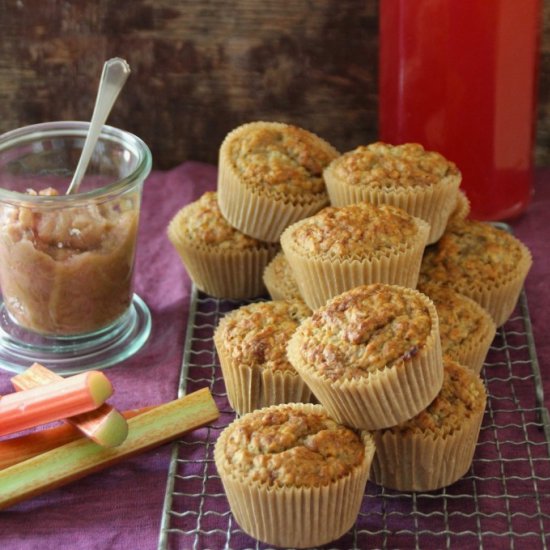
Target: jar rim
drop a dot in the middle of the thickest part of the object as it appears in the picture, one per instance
(73, 128)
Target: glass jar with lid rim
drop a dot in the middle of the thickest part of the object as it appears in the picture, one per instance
(67, 261)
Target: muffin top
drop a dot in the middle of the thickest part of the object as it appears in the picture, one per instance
(365, 330)
(460, 318)
(383, 165)
(279, 159)
(461, 397)
(355, 231)
(278, 273)
(471, 254)
(291, 446)
(257, 334)
(202, 223)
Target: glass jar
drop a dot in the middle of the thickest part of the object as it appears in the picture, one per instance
(67, 261)
(460, 77)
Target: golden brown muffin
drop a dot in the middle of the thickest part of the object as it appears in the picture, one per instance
(424, 183)
(221, 261)
(279, 279)
(341, 248)
(270, 175)
(466, 329)
(251, 344)
(462, 208)
(371, 355)
(436, 447)
(482, 262)
(293, 476)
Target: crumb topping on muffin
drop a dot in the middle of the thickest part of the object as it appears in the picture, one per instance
(355, 230)
(462, 396)
(289, 447)
(257, 334)
(281, 158)
(383, 165)
(471, 252)
(202, 223)
(364, 330)
(460, 318)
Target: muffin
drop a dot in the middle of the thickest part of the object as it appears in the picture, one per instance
(279, 279)
(270, 175)
(294, 477)
(482, 262)
(466, 329)
(341, 248)
(436, 447)
(424, 183)
(221, 261)
(372, 355)
(251, 344)
(462, 208)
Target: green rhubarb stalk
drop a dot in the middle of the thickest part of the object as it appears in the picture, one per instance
(82, 457)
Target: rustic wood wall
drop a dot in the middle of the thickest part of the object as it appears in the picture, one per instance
(201, 67)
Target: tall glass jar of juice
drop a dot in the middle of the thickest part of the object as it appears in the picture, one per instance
(460, 77)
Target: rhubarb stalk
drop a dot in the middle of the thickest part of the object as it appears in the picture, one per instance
(79, 458)
(18, 449)
(104, 425)
(68, 397)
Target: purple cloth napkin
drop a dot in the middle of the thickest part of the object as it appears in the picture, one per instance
(120, 508)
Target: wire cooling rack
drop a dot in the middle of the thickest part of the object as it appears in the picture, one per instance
(502, 502)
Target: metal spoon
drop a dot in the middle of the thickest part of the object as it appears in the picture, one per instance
(114, 75)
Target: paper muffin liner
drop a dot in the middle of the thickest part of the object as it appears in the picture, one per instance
(433, 203)
(281, 286)
(501, 298)
(422, 462)
(254, 212)
(321, 278)
(384, 398)
(231, 274)
(295, 517)
(473, 352)
(250, 388)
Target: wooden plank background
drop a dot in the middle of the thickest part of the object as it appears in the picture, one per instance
(202, 67)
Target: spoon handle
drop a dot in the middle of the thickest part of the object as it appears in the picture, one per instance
(114, 75)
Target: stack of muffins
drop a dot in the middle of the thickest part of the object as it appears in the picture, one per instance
(365, 363)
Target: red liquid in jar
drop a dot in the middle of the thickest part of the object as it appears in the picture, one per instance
(459, 77)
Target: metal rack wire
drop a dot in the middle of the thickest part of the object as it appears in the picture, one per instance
(502, 502)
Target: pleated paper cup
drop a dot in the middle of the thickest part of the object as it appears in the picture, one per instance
(497, 291)
(473, 352)
(466, 328)
(253, 387)
(385, 397)
(321, 278)
(295, 517)
(500, 298)
(432, 203)
(251, 208)
(224, 273)
(426, 461)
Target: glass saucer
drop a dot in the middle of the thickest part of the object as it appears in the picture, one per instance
(19, 348)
